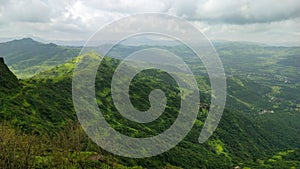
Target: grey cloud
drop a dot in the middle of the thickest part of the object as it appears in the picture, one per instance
(126, 6)
(254, 20)
(25, 11)
(239, 12)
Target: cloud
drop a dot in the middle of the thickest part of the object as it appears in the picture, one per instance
(277, 33)
(237, 11)
(78, 19)
(127, 6)
(25, 11)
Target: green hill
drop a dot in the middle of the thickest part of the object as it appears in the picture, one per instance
(38, 115)
(26, 57)
(45, 106)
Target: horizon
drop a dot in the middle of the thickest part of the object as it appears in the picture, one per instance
(78, 43)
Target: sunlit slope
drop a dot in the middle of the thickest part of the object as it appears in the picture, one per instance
(27, 57)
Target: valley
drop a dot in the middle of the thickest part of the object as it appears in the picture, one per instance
(259, 127)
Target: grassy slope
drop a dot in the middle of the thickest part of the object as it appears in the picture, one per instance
(27, 57)
(238, 141)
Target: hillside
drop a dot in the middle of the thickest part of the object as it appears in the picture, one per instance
(45, 106)
(26, 57)
(260, 79)
(259, 128)
(9, 84)
(8, 81)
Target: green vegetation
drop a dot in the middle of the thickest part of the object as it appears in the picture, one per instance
(40, 129)
(27, 57)
(67, 148)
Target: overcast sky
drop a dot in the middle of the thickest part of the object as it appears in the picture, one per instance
(265, 21)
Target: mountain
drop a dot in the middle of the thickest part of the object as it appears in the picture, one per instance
(26, 57)
(41, 108)
(45, 105)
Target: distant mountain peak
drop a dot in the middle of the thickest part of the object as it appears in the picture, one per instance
(28, 40)
(27, 57)
(23, 41)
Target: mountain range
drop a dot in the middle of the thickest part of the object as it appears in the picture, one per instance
(259, 127)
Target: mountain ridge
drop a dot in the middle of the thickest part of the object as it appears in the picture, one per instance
(43, 105)
(230, 145)
(27, 57)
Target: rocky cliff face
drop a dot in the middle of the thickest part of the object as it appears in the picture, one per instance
(8, 81)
